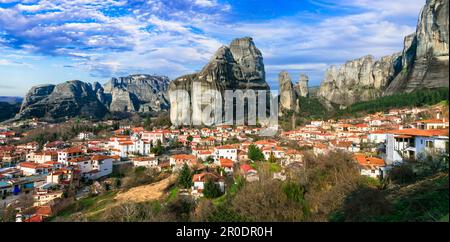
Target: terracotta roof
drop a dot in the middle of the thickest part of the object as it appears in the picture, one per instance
(44, 211)
(435, 121)
(420, 132)
(368, 161)
(226, 163)
(184, 157)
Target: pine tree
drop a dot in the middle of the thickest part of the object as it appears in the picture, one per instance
(185, 177)
(254, 153)
(211, 190)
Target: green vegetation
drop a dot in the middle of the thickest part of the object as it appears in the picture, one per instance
(157, 149)
(254, 153)
(86, 208)
(401, 100)
(212, 190)
(185, 177)
(313, 109)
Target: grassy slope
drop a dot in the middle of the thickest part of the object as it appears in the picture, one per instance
(426, 200)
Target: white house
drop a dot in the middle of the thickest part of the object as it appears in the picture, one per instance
(94, 167)
(225, 151)
(378, 136)
(199, 181)
(148, 162)
(410, 143)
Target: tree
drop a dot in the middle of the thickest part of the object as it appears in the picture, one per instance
(212, 189)
(185, 177)
(158, 149)
(272, 158)
(254, 153)
(190, 138)
(209, 159)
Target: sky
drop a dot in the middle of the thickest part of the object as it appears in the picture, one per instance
(52, 41)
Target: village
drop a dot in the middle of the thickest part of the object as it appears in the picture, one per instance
(62, 169)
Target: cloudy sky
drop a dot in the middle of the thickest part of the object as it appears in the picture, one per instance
(51, 41)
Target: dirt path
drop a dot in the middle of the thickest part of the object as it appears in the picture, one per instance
(147, 192)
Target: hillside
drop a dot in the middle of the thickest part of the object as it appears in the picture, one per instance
(425, 200)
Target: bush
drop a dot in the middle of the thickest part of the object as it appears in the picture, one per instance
(212, 190)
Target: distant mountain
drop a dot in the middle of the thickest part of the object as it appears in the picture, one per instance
(11, 100)
(423, 63)
(136, 93)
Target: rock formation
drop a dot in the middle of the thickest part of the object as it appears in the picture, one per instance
(359, 80)
(288, 96)
(136, 93)
(239, 66)
(425, 53)
(423, 63)
(302, 86)
(68, 99)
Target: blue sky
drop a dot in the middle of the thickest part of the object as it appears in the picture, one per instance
(51, 41)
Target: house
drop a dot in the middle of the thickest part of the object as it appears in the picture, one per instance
(432, 124)
(124, 146)
(31, 168)
(177, 161)
(64, 176)
(85, 135)
(370, 166)
(292, 156)
(94, 167)
(225, 151)
(202, 153)
(42, 157)
(69, 154)
(227, 165)
(101, 166)
(199, 181)
(377, 136)
(320, 149)
(277, 152)
(55, 145)
(45, 197)
(154, 136)
(249, 173)
(411, 143)
(148, 162)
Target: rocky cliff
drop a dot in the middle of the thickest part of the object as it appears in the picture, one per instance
(136, 93)
(237, 66)
(302, 86)
(288, 95)
(423, 63)
(362, 79)
(68, 99)
(425, 53)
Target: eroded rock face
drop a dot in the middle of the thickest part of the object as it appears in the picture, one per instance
(302, 86)
(288, 97)
(136, 93)
(239, 66)
(425, 53)
(423, 63)
(359, 80)
(68, 99)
